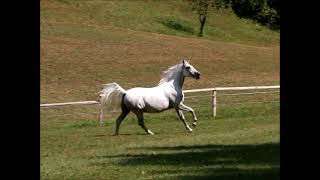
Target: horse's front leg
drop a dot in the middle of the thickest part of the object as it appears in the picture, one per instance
(182, 118)
(189, 109)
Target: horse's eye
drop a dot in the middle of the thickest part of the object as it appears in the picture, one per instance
(188, 67)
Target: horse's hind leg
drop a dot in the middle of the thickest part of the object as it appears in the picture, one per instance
(182, 118)
(141, 122)
(123, 114)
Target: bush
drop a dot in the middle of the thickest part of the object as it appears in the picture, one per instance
(265, 12)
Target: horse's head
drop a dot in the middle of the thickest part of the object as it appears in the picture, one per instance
(189, 70)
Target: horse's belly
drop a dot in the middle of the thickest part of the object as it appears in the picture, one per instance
(156, 107)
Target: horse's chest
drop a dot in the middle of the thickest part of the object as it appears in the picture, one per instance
(175, 99)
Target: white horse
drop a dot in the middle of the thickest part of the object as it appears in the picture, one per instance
(168, 94)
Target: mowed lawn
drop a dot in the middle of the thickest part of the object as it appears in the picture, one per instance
(85, 44)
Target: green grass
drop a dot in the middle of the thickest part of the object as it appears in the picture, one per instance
(88, 43)
(241, 142)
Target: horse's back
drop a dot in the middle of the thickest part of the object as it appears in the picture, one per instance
(146, 99)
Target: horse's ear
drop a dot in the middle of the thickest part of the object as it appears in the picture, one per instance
(184, 62)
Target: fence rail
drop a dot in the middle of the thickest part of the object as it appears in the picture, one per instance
(69, 103)
(232, 88)
(213, 102)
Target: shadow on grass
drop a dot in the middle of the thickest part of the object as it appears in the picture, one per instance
(178, 25)
(124, 134)
(259, 161)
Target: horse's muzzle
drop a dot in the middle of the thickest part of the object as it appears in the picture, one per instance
(197, 75)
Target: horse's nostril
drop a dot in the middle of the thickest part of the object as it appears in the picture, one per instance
(197, 75)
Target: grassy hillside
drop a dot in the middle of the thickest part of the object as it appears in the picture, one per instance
(165, 17)
(88, 43)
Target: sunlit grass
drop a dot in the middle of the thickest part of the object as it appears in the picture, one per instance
(242, 140)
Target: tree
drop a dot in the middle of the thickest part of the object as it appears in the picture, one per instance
(202, 7)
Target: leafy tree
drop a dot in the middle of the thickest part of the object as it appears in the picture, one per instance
(202, 8)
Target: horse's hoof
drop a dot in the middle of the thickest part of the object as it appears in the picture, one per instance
(190, 130)
(151, 133)
(194, 124)
(115, 134)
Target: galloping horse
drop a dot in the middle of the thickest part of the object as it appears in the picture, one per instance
(167, 95)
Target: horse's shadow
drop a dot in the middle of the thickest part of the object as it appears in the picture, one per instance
(124, 134)
(248, 161)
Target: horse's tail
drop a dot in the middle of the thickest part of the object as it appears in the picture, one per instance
(111, 93)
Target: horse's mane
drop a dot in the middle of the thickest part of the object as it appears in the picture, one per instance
(169, 73)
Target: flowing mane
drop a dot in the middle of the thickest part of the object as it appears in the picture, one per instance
(169, 73)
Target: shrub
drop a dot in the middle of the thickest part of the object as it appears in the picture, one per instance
(265, 12)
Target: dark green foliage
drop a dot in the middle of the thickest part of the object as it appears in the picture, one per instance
(265, 12)
(247, 8)
(275, 4)
(221, 4)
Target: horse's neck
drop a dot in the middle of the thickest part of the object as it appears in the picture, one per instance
(177, 81)
(180, 81)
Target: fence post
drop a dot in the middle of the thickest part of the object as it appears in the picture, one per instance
(101, 115)
(214, 103)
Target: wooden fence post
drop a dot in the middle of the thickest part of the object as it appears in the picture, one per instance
(101, 115)
(214, 103)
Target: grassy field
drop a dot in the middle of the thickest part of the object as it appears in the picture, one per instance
(88, 43)
(241, 142)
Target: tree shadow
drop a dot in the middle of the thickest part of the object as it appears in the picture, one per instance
(260, 161)
(225, 173)
(176, 24)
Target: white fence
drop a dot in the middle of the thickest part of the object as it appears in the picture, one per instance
(213, 102)
(214, 93)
